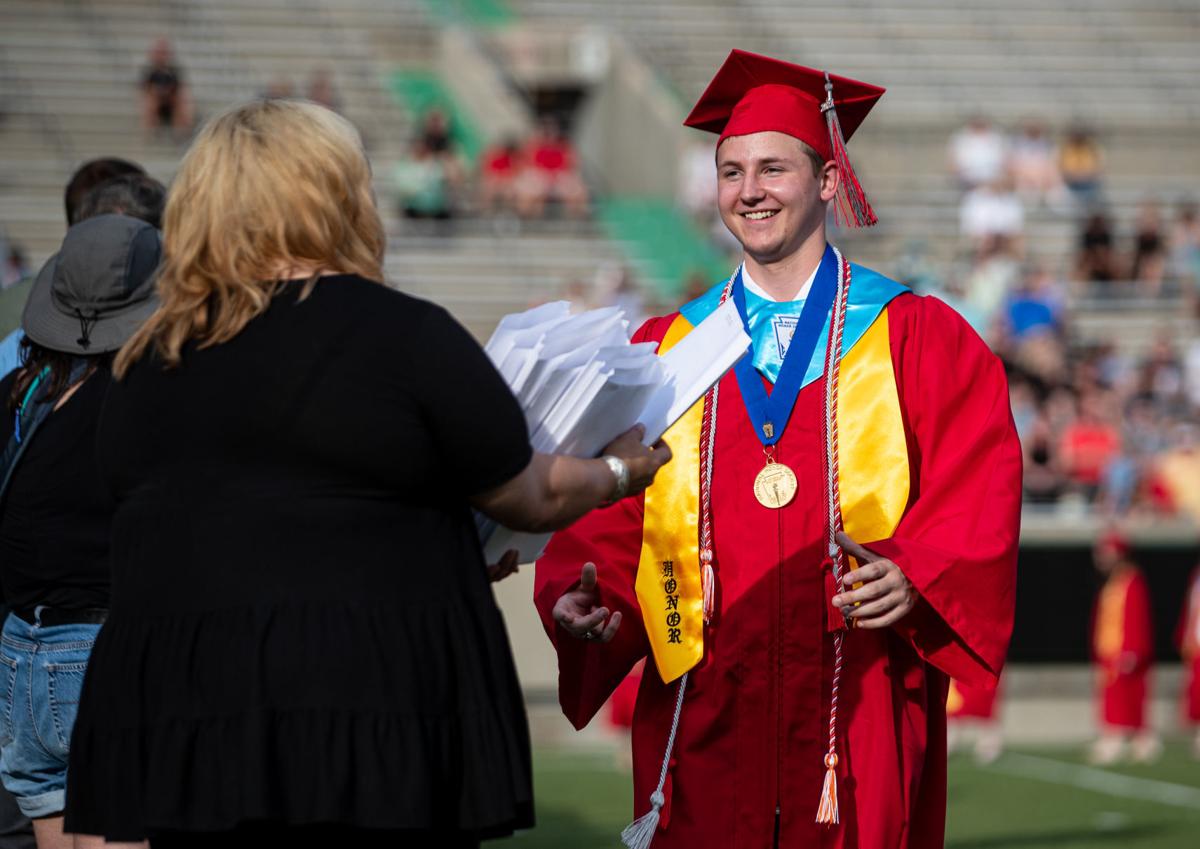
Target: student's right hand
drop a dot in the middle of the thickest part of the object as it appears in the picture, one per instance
(577, 614)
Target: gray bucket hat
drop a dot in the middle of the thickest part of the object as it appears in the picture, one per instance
(97, 290)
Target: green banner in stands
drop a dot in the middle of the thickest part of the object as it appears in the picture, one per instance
(483, 13)
(669, 249)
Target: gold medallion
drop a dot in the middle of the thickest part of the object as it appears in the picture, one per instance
(775, 485)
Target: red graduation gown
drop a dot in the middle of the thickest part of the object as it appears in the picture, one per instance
(1187, 637)
(754, 728)
(972, 702)
(1123, 648)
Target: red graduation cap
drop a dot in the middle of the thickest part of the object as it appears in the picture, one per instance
(754, 94)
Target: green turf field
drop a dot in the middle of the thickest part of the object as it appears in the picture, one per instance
(1029, 799)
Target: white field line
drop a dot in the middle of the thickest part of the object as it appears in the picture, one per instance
(1098, 780)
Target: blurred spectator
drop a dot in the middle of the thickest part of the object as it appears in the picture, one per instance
(15, 268)
(551, 174)
(916, 269)
(1161, 375)
(166, 103)
(993, 275)
(1024, 403)
(1033, 166)
(321, 89)
(1089, 444)
(436, 138)
(1040, 356)
(1081, 163)
(1191, 374)
(1149, 264)
(977, 153)
(990, 210)
(1096, 261)
(1176, 474)
(953, 292)
(279, 88)
(422, 188)
(435, 132)
(1043, 479)
(499, 169)
(1185, 244)
(1036, 306)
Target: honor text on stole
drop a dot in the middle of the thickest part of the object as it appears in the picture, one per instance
(670, 588)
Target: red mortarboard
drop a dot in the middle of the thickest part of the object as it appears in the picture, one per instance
(755, 94)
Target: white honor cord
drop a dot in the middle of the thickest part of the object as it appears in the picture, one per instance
(639, 833)
(831, 419)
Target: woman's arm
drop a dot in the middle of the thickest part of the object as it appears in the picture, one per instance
(554, 490)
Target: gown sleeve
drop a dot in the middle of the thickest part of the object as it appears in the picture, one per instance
(957, 542)
(1139, 628)
(611, 537)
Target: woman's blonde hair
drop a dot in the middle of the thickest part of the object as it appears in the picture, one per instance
(267, 185)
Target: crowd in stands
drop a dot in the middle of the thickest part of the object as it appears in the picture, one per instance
(1099, 426)
(514, 178)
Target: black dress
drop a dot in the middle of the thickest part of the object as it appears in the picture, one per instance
(302, 629)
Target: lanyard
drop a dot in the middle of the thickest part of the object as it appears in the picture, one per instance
(770, 413)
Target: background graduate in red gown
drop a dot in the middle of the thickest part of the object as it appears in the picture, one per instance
(1187, 637)
(971, 712)
(1123, 652)
(762, 719)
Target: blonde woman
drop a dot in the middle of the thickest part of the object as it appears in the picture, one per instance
(302, 647)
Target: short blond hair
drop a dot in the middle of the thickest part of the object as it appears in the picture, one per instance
(266, 185)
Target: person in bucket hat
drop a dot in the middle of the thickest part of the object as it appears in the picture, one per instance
(835, 538)
(55, 511)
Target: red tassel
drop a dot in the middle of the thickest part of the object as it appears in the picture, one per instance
(827, 811)
(853, 209)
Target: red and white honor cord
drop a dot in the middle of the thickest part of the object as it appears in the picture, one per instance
(827, 810)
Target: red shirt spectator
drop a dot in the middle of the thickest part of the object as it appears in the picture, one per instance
(1089, 443)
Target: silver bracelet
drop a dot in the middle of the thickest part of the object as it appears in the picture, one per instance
(621, 472)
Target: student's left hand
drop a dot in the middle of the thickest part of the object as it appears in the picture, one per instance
(885, 596)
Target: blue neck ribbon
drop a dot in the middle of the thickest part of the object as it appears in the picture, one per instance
(770, 413)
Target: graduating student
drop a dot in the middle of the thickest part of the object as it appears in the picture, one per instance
(836, 535)
(1123, 652)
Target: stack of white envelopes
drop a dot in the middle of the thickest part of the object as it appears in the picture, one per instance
(582, 383)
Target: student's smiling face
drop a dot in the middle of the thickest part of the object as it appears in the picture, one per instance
(767, 193)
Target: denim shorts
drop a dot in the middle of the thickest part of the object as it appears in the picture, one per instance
(41, 675)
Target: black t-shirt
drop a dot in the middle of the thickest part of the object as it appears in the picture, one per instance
(350, 427)
(55, 517)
